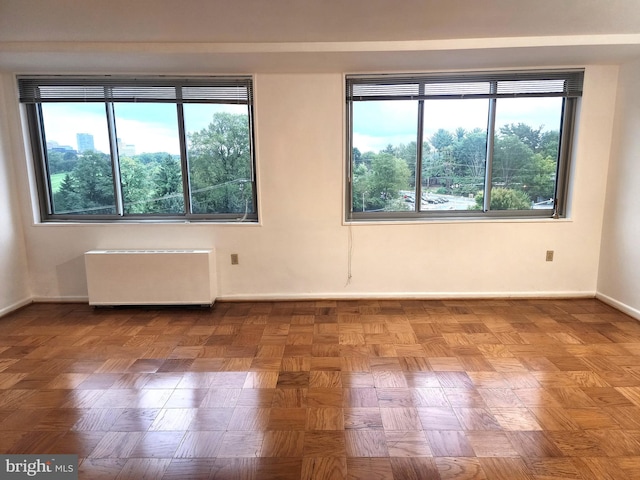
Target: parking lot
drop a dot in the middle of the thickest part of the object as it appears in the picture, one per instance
(433, 201)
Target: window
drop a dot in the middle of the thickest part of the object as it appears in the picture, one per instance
(488, 144)
(147, 148)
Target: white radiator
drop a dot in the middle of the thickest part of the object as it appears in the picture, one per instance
(151, 277)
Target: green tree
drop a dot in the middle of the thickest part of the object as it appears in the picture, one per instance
(432, 166)
(389, 175)
(357, 157)
(220, 165)
(360, 188)
(67, 199)
(441, 139)
(549, 143)
(504, 199)
(510, 157)
(389, 149)
(531, 137)
(136, 185)
(61, 162)
(441, 164)
(470, 153)
(367, 158)
(167, 180)
(408, 153)
(88, 189)
(152, 158)
(539, 179)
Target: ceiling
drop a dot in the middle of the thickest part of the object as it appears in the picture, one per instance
(312, 35)
(308, 20)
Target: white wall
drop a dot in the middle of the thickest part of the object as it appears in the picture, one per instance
(619, 275)
(14, 287)
(301, 249)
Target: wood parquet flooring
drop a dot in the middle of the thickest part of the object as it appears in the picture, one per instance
(476, 389)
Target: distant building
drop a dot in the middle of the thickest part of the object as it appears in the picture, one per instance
(54, 146)
(85, 142)
(126, 148)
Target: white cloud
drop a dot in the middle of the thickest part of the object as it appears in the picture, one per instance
(148, 137)
(380, 123)
(63, 121)
(370, 143)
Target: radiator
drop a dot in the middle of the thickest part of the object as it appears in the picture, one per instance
(151, 277)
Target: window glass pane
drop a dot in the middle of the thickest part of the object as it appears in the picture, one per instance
(79, 164)
(454, 154)
(219, 155)
(384, 155)
(525, 157)
(149, 154)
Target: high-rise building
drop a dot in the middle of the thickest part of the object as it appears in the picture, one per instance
(85, 142)
(127, 149)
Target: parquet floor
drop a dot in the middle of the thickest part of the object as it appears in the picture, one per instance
(526, 389)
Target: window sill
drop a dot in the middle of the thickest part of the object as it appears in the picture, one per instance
(450, 220)
(98, 223)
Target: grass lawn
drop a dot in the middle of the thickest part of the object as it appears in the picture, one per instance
(56, 181)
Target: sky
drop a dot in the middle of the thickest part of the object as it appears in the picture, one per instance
(150, 127)
(153, 127)
(377, 124)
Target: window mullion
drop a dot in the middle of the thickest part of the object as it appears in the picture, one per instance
(564, 157)
(38, 143)
(419, 140)
(115, 159)
(184, 162)
(491, 131)
(349, 161)
(252, 149)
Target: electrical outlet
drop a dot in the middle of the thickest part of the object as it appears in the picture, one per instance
(549, 256)
(234, 259)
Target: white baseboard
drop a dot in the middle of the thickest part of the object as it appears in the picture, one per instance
(80, 299)
(400, 296)
(623, 307)
(632, 312)
(249, 297)
(15, 306)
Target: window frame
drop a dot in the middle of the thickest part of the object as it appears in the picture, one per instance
(380, 87)
(235, 90)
